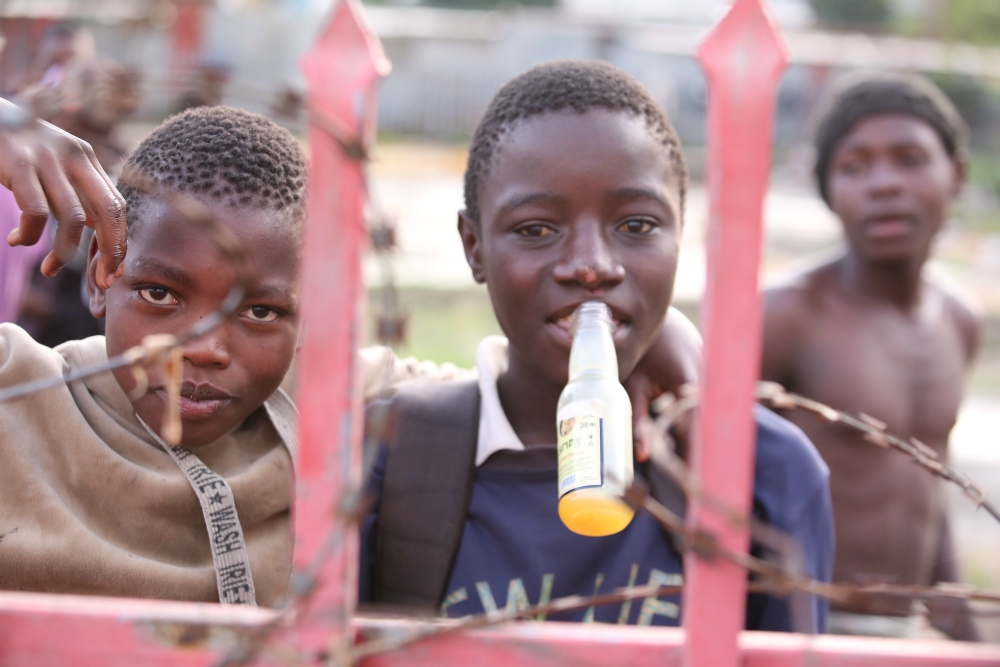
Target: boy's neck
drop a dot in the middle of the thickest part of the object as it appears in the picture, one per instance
(529, 400)
(897, 283)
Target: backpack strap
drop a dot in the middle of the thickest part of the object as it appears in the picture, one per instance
(430, 468)
(666, 491)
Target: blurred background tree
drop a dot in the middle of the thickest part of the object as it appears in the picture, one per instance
(976, 21)
(872, 15)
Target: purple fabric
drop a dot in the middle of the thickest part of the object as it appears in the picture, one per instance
(15, 263)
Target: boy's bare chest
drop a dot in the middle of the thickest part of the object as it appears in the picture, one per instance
(908, 374)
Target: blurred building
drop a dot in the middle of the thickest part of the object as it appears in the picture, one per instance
(23, 23)
(447, 63)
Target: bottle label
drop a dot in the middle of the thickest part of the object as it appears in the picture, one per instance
(581, 446)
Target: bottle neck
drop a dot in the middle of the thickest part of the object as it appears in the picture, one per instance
(593, 351)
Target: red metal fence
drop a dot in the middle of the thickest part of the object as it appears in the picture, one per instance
(744, 58)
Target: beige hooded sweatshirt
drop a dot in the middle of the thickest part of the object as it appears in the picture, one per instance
(91, 504)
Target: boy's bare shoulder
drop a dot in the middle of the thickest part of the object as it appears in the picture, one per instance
(792, 306)
(799, 296)
(960, 306)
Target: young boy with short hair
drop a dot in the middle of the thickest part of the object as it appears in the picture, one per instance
(871, 331)
(91, 500)
(574, 192)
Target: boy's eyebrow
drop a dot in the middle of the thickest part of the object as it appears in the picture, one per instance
(171, 273)
(894, 144)
(270, 292)
(531, 198)
(630, 193)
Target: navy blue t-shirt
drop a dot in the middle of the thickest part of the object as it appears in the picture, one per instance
(515, 551)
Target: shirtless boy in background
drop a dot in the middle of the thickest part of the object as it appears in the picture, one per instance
(871, 331)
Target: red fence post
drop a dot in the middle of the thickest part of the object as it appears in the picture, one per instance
(186, 35)
(743, 59)
(342, 70)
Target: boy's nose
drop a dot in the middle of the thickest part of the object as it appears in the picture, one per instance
(885, 180)
(208, 350)
(589, 262)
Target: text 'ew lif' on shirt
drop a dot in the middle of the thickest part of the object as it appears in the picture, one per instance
(515, 552)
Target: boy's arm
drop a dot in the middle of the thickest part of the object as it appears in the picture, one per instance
(813, 532)
(51, 171)
(784, 315)
(383, 371)
(950, 616)
(968, 321)
(673, 361)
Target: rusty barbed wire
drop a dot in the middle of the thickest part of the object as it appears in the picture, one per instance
(566, 604)
(773, 578)
(772, 394)
(781, 578)
(784, 578)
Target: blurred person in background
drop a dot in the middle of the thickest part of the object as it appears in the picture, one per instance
(43, 171)
(206, 87)
(872, 332)
(87, 97)
(60, 44)
(55, 49)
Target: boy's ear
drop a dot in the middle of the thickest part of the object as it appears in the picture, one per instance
(96, 293)
(961, 171)
(472, 242)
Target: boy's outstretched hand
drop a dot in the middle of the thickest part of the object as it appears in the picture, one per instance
(673, 361)
(52, 172)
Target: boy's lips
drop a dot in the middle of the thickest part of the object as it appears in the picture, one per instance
(560, 326)
(889, 226)
(199, 401)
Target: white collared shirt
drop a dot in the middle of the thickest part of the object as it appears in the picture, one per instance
(495, 431)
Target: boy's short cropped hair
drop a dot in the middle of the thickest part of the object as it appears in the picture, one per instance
(860, 96)
(223, 154)
(580, 85)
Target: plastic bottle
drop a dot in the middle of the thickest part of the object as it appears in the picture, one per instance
(594, 427)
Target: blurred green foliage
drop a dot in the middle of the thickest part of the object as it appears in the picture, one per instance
(859, 14)
(444, 325)
(976, 21)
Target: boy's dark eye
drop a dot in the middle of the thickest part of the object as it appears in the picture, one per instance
(535, 230)
(637, 226)
(261, 314)
(911, 159)
(158, 296)
(851, 167)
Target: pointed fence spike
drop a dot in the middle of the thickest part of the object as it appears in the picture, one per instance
(743, 58)
(342, 71)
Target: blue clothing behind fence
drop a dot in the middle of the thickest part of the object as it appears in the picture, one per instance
(515, 551)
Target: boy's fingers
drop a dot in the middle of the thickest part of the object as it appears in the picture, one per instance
(68, 210)
(641, 448)
(639, 395)
(30, 198)
(106, 212)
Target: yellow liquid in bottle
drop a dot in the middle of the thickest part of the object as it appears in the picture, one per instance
(594, 431)
(594, 514)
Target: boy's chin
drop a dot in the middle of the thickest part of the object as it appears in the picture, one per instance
(194, 433)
